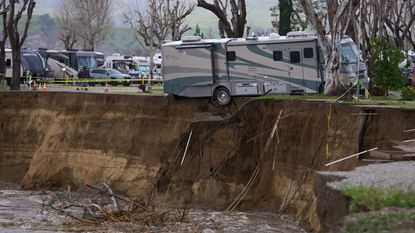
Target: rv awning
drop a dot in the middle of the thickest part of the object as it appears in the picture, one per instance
(194, 46)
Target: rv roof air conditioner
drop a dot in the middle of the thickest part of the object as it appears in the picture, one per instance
(191, 38)
(251, 38)
(274, 36)
(299, 34)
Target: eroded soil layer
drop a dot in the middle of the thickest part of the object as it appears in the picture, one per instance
(267, 151)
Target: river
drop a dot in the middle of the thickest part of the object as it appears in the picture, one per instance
(22, 211)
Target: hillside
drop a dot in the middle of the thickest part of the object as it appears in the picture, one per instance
(258, 12)
(44, 33)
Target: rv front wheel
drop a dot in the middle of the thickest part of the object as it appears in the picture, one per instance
(222, 96)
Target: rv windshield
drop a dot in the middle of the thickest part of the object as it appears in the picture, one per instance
(88, 61)
(33, 62)
(143, 68)
(349, 53)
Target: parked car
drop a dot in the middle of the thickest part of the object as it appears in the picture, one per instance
(157, 78)
(107, 73)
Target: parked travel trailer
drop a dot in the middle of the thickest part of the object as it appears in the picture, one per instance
(78, 59)
(124, 64)
(157, 60)
(142, 66)
(57, 64)
(31, 62)
(222, 68)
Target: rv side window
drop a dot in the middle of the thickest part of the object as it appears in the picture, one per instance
(308, 53)
(9, 62)
(277, 55)
(295, 57)
(231, 56)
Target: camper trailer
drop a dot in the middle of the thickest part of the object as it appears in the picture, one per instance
(222, 68)
(78, 59)
(157, 60)
(31, 62)
(142, 66)
(124, 64)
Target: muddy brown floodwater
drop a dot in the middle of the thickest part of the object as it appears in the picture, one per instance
(23, 211)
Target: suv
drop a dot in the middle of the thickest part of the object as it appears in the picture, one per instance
(107, 73)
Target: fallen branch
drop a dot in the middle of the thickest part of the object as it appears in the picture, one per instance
(187, 145)
(350, 156)
(106, 208)
(141, 206)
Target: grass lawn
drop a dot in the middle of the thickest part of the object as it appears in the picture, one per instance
(375, 198)
(384, 221)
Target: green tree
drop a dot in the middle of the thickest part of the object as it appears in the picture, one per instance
(286, 10)
(385, 70)
(197, 31)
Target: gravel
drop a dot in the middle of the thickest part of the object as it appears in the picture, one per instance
(395, 175)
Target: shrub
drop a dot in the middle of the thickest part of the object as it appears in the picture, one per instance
(408, 93)
(385, 66)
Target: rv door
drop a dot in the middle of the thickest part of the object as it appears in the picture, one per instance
(196, 69)
(295, 69)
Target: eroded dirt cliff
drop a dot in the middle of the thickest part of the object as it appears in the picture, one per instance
(137, 143)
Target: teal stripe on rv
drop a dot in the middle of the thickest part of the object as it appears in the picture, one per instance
(242, 61)
(180, 84)
(314, 85)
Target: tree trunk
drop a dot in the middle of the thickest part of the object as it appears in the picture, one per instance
(2, 61)
(286, 10)
(15, 83)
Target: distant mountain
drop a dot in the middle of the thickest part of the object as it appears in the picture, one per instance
(258, 12)
(44, 31)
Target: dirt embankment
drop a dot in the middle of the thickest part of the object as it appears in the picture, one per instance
(137, 143)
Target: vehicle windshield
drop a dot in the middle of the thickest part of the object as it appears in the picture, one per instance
(349, 53)
(88, 61)
(144, 68)
(31, 61)
(112, 71)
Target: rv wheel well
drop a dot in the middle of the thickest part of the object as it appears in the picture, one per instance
(217, 88)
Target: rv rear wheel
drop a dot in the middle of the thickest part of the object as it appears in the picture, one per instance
(222, 96)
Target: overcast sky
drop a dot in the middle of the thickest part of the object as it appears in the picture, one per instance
(258, 11)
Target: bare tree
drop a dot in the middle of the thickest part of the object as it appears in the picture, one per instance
(16, 10)
(68, 27)
(299, 20)
(233, 27)
(90, 20)
(338, 15)
(3, 38)
(176, 15)
(388, 19)
(162, 20)
(400, 16)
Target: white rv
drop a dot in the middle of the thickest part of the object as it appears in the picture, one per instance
(250, 66)
(142, 66)
(31, 62)
(157, 60)
(124, 64)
